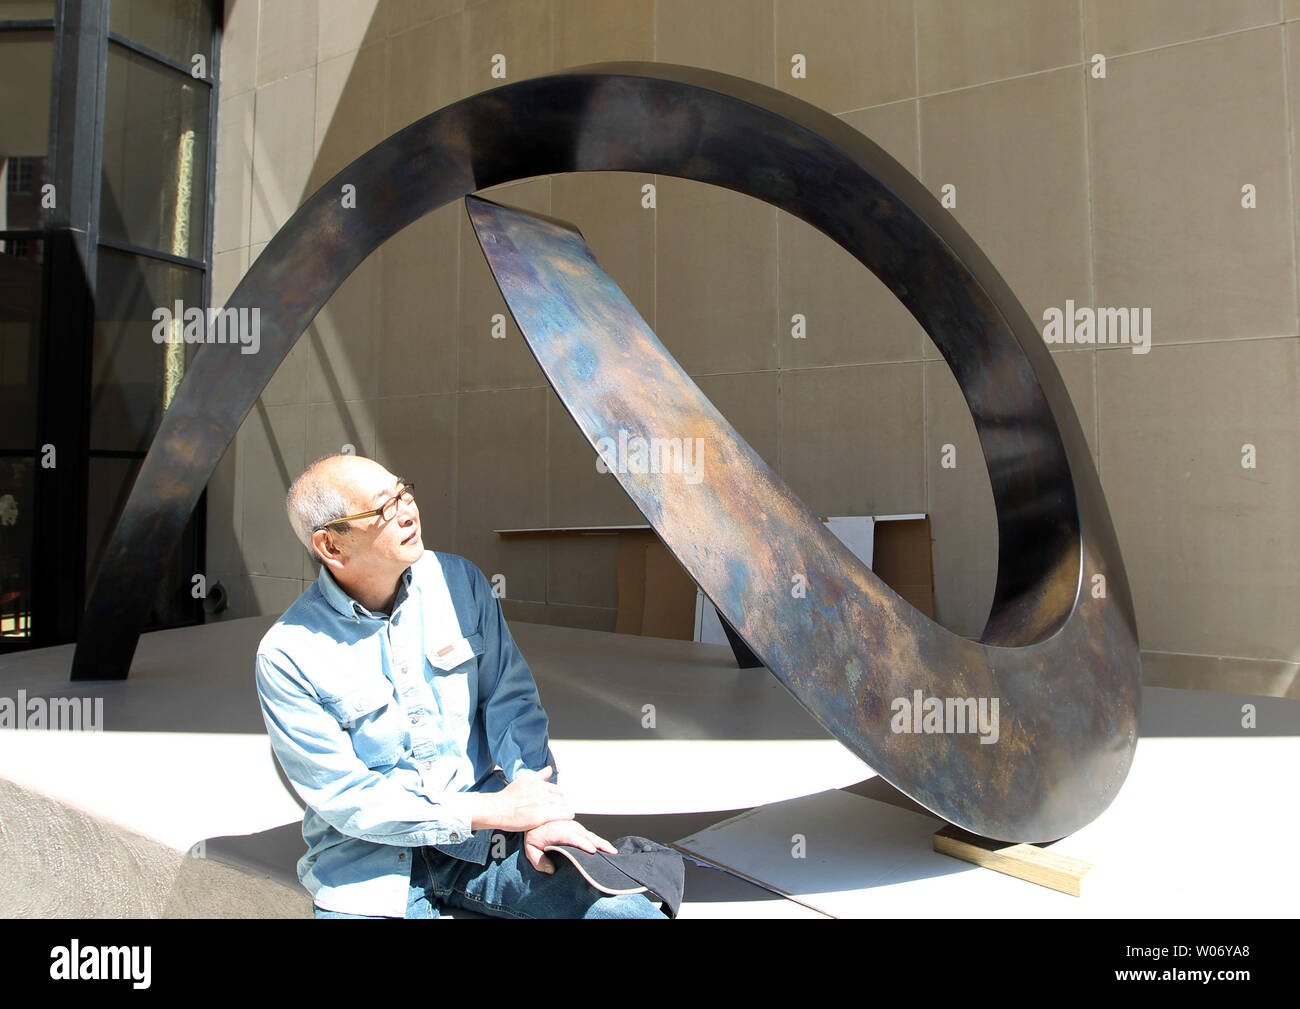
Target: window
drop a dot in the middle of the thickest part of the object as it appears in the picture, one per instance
(83, 385)
(20, 176)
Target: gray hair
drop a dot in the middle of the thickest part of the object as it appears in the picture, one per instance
(313, 500)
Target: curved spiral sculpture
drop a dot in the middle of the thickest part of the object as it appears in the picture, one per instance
(1060, 658)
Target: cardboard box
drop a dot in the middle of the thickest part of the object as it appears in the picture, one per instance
(904, 560)
(656, 597)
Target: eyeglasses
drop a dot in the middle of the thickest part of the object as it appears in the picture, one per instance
(387, 512)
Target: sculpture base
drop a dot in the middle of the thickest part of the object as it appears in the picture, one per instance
(1030, 862)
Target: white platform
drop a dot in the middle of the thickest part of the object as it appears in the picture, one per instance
(184, 760)
(184, 763)
(1203, 827)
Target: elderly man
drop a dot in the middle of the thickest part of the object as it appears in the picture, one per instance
(391, 689)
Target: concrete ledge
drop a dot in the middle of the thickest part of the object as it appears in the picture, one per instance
(62, 862)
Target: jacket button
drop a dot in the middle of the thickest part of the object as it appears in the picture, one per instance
(455, 836)
(415, 719)
(402, 857)
(404, 669)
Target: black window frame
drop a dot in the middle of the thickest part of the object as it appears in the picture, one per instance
(72, 242)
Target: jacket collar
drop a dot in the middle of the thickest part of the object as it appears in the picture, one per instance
(343, 603)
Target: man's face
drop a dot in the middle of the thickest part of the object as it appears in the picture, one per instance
(372, 545)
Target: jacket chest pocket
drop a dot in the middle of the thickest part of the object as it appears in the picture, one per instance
(370, 716)
(455, 675)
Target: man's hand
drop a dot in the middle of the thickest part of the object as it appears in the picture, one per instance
(561, 832)
(527, 802)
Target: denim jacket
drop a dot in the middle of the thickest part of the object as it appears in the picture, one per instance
(383, 725)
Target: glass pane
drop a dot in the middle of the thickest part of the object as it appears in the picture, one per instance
(110, 486)
(20, 329)
(133, 377)
(17, 479)
(155, 173)
(25, 61)
(26, 10)
(175, 28)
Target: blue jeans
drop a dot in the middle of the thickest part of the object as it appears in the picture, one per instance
(508, 887)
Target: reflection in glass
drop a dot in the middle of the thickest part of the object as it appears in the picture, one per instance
(110, 486)
(26, 10)
(20, 328)
(155, 156)
(16, 523)
(25, 70)
(179, 29)
(129, 380)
